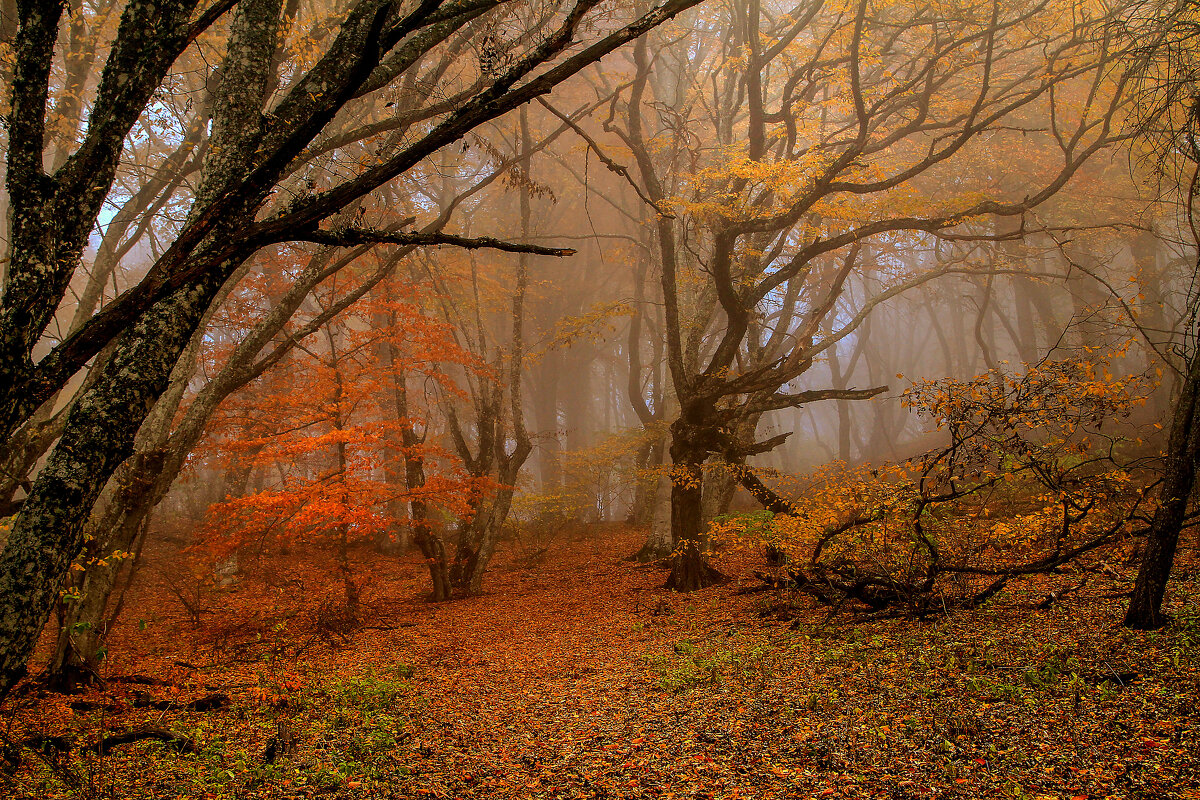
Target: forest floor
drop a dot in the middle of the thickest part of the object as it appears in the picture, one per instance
(577, 676)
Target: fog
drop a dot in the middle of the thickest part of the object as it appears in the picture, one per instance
(455, 307)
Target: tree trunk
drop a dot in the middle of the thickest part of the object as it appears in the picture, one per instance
(720, 486)
(545, 416)
(85, 623)
(341, 463)
(474, 558)
(98, 436)
(432, 548)
(689, 570)
(1183, 451)
(119, 519)
(658, 543)
(428, 541)
(646, 484)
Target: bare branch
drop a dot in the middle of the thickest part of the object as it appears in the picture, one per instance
(354, 237)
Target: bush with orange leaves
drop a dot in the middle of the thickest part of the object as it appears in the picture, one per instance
(1040, 468)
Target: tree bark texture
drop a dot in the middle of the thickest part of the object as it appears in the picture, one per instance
(1183, 452)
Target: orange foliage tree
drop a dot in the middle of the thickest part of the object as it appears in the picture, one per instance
(328, 422)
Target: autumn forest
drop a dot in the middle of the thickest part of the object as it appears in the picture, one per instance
(600, 399)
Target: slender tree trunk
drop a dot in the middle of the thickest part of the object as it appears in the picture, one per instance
(237, 477)
(86, 622)
(658, 544)
(545, 415)
(395, 539)
(432, 548)
(577, 403)
(19, 456)
(1027, 343)
(838, 380)
(341, 464)
(1183, 452)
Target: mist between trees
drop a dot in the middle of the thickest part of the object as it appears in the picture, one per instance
(442, 275)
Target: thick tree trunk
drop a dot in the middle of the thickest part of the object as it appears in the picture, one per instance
(1183, 451)
(98, 436)
(720, 485)
(689, 570)
(478, 538)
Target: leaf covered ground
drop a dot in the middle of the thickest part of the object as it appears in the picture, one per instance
(577, 676)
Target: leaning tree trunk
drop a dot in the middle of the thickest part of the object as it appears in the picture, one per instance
(85, 623)
(98, 436)
(1183, 451)
(120, 518)
(116, 527)
(20, 455)
(102, 424)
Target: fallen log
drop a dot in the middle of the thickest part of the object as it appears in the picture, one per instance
(175, 741)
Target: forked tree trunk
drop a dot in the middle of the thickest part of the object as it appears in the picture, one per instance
(478, 543)
(434, 551)
(487, 528)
